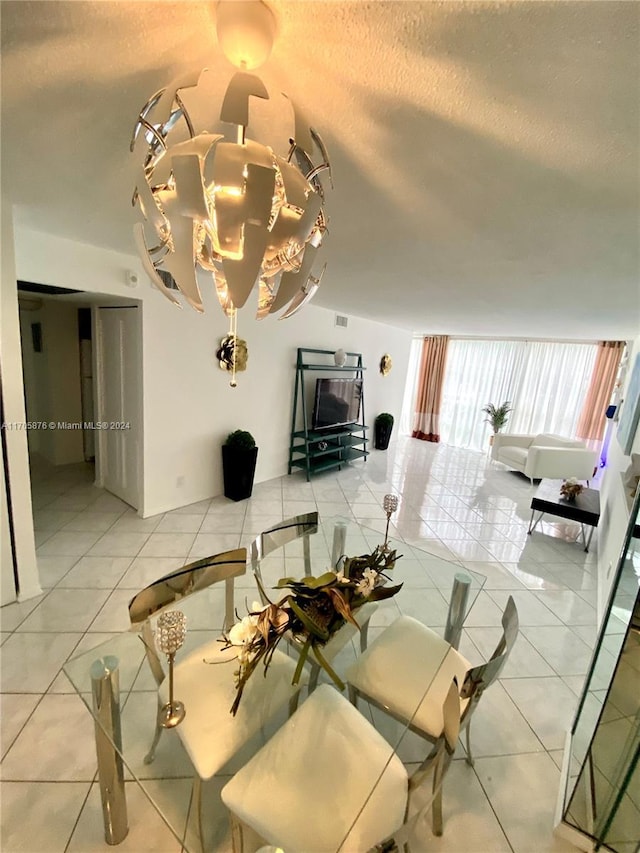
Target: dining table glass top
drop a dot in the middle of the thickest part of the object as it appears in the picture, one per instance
(427, 584)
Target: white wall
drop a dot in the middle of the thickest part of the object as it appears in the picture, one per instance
(194, 417)
(188, 406)
(614, 503)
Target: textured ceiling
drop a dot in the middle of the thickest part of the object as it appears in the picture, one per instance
(485, 155)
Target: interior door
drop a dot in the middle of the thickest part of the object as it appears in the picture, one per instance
(117, 428)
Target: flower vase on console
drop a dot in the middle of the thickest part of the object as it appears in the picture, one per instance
(570, 489)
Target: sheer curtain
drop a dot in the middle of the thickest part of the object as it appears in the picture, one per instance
(552, 388)
(478, 372)
(546, 383)
(411, 388)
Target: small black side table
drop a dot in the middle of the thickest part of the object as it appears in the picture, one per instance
(585, 509)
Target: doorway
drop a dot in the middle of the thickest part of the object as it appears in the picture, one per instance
(82, 386)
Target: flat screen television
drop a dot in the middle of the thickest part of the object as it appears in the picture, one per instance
(337, 402)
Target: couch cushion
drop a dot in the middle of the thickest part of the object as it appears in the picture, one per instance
(512, 455)
(549, 440)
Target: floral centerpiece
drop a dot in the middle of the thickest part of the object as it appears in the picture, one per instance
(312, 612)
(570, 489)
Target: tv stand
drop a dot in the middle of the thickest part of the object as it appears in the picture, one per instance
(331, 447)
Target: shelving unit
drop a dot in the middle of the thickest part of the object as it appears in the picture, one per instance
(320, 450)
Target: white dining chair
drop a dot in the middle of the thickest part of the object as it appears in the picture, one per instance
(327, 781)
(392, 673)
(210, 734)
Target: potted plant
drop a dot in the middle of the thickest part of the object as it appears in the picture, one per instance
(239, 456)
(382, 428)
(496, 416)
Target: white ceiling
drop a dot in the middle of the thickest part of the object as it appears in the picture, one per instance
(485, 155)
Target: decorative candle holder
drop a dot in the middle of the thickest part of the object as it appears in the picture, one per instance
(389, 505)
(170, 633)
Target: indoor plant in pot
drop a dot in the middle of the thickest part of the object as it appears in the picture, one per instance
(382, 428)
(239, 456)
(496, 416)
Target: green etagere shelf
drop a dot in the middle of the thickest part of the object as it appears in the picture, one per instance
(320, 450)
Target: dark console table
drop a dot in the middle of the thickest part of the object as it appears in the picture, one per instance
(585, 509)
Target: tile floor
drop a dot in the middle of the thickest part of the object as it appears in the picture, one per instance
(94, 552)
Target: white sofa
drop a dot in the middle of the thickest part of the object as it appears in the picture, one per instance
(544, 455)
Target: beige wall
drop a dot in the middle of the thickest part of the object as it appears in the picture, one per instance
(52, 380)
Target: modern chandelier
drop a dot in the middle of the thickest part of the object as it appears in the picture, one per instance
(225, 204)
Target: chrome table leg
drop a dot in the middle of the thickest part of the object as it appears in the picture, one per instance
(108, 734)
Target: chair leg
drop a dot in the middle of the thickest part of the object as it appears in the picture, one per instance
(197, 802)
(436, 807)
(353, 695)
(294, 702)
(313, 678)
(470, 759)
(237, 836)
(149, 757)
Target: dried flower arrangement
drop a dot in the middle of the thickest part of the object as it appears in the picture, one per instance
(570, 489)
(314, 610)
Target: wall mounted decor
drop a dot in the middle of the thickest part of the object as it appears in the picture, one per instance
(232, 354)
(385, 364)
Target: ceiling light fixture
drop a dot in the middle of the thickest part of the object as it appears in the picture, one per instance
(232, 208)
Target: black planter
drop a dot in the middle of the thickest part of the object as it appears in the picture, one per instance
(238, 468)
(382, 433)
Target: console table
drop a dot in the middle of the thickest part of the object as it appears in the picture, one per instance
(585, 508)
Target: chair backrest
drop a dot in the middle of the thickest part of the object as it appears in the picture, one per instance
(451, 717)
(480, 677)
(457, 609)
(270, 540)
(179, 584)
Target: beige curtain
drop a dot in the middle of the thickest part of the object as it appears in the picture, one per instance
(605, 370)
(426, 423)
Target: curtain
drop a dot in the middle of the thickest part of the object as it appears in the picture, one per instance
(478, 372)
(407, 415)
(552, 387)
(591, 422)
(545, 382)
(426, 424)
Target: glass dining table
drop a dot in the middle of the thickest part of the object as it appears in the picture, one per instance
(166, 782)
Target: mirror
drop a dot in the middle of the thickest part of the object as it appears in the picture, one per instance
(602, 795)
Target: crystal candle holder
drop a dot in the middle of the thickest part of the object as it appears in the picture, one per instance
(170, 633)
(389, 505)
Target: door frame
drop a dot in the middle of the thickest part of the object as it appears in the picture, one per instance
(98, 396)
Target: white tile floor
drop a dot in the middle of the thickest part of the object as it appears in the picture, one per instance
(94, 551)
